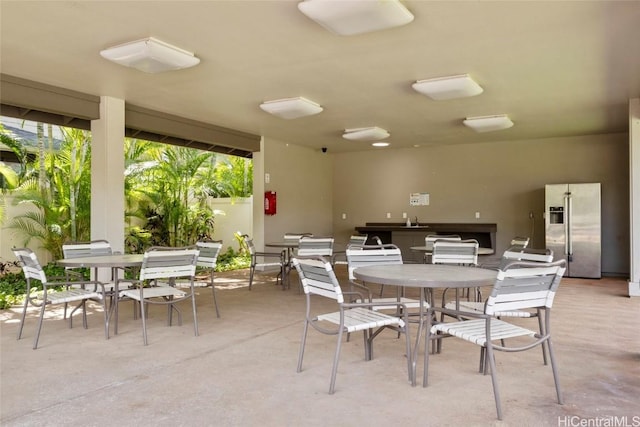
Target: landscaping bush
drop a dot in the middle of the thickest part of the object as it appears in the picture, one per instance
(13, 285)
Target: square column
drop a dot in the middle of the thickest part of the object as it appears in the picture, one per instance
(634, 195)
(107, 173)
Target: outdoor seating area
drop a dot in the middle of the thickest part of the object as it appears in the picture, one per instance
(241, 369)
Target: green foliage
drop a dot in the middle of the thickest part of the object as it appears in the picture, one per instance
(167, 191)
(232, 260)
(13, 285)
(58, 185)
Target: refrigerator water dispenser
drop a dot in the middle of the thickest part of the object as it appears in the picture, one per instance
(556, 215)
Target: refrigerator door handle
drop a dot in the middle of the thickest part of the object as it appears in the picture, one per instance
(567, 227)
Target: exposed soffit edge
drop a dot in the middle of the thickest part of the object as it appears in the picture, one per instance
(29, 100)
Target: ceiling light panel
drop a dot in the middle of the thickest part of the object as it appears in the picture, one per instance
(365, 134)
(291, 108)
(150, 55)
(352, 17)
(442, 88)
(488, 123)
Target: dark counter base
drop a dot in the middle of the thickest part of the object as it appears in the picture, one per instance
(405, 237)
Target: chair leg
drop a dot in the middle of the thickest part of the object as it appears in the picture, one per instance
(24, 315)
(39, 327)
(368, 351)
(215, 300)
(251, 271)
(494, 379)
(85, 324)
(143, 315)
(195, 314)
(302, 344)
(554, 369)
(544, 343)
(336, 358)
(105, 310)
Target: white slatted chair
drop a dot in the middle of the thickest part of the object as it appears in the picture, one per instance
(340, 257)
(520, 241)
(452, 252)
(262, 261)
(322, 246)
(431, 238)
(207, 259)
(168, 265)
(521, 285)
(73, 292)
(318, 278)
(296, 236)
(92, 248)
(361, 256)
(512, 254)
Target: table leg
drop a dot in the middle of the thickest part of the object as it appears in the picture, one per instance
(116, 292)
(416, 348)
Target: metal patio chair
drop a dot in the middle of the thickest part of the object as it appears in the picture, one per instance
(159, 266)
(340, 257)
(520, 285)
(366, 255)
(265, 261)
(318, 278)
(72, 292)
(511, 255)
(207, 259)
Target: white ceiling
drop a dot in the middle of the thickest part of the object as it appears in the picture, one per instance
(557, 68)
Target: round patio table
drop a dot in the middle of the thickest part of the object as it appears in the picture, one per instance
(114, 262)
(425, 276)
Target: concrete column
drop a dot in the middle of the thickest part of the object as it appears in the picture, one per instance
(634, 196)
(107, 173)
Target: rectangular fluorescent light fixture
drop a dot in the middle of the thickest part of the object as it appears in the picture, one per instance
(365, 134)
(150, 55)
(448, 87)
(488, 123)
(291, 108)
(350, 17)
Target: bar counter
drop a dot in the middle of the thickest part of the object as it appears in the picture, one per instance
(404, 237)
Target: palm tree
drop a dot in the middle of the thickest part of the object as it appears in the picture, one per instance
(58, 184)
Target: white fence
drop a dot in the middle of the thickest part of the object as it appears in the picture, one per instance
(235, 215)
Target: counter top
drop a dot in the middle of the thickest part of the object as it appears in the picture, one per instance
(440, 226)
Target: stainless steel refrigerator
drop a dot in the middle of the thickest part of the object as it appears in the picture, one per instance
(573, 227)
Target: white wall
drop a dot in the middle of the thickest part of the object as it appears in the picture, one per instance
(10, 238)
(237, 217)
(504, 181)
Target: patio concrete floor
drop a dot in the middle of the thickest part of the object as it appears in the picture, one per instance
(241, 370)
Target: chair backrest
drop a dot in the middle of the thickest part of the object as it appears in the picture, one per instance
(430, 238)
(249, 242)
(209, 251)
(86, 249)
(296, 236)
(357, 240)
(377, 240)
(361, 256)
(30, 265)
(523, 242)
(461, 252)
(322, 246)
(318, 278)
(528, 254)
(523, 285)
(166, 263)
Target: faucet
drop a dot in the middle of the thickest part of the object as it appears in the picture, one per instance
(417, 223)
